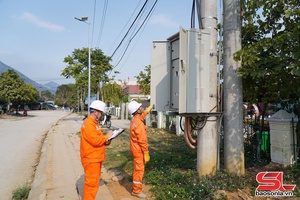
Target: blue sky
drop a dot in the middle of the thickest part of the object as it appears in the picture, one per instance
(36, 36)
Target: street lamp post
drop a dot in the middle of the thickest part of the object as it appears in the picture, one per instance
(84, 19)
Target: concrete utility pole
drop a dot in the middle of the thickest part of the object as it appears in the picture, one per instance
(233, 98)
(207, 140)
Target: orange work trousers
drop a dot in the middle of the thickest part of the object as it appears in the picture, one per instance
(138, 172)
(92, 173)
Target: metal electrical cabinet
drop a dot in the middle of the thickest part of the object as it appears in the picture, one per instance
(180, 73)
(194, 72)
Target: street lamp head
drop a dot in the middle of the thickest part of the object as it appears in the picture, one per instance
(83, 19)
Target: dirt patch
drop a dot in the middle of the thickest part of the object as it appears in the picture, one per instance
(121, 189)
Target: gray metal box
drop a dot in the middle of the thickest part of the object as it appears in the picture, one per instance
(194, 72)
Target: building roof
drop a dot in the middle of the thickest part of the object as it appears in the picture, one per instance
(131, 89)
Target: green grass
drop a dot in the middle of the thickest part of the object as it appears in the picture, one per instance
(172, 169)
(21, 193)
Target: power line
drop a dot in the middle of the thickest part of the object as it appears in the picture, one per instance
(132, 31)
(145, 20)
(102, 22)
(131, 51)
(93, 23)
(126, 24)
(129, 29)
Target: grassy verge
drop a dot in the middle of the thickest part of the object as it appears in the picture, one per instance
(21, 193)
(172, 169)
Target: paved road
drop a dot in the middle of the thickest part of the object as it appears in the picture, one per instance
(59, 166)
(42, 149)
(120, 124)
(59, 174)
(20, 143)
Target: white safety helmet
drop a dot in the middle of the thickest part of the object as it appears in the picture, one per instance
(98, 105)
(133, 106)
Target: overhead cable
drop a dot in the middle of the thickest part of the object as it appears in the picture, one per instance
(93, 23)
(196, 5)
(129, 29)
(193, 15)
(102, 22)
(145, 20)
(126, 24)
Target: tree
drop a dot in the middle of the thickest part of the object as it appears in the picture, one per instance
(112, 93)
(143, 80)
(66, 95)
(14, 90)
(47, 95)
(78, 68)
(270, 51)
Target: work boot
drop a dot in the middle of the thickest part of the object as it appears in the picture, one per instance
(140, 195)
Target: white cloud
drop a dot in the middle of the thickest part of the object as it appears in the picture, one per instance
(164, 21)
(40, 23)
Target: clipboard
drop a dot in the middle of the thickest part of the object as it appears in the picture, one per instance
(116, 133)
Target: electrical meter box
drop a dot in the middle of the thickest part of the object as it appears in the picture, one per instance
(194, 71)
(180, 73)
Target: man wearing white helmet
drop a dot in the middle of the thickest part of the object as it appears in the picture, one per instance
(138, 146)
(92, 149)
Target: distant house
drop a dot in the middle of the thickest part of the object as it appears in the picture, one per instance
(131, 89)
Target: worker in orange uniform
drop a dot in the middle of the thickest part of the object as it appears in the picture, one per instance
(92, 149)
(138, 146)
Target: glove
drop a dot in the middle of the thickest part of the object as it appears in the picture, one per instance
(146, 156)
(149, 108)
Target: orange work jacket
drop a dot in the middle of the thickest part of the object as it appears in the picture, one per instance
(138, 134)
(92, 147)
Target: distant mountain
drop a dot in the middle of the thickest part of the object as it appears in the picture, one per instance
(51, 86)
